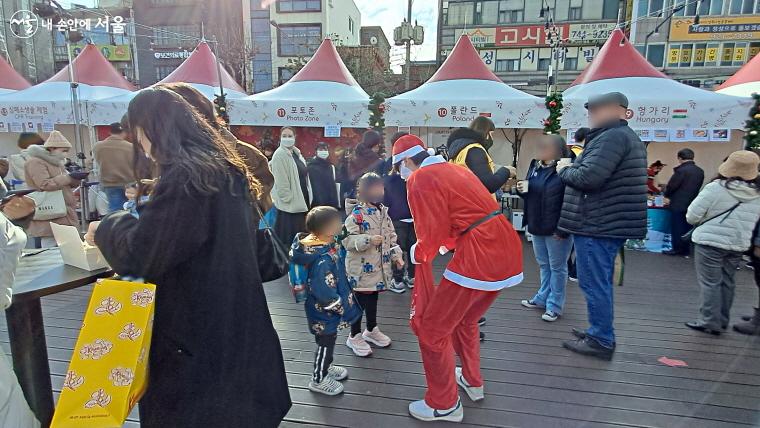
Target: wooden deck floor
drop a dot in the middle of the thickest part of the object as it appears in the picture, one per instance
(530, 380)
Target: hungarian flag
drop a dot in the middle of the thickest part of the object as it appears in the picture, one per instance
(680, 113)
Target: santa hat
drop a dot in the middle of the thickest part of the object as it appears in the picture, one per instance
(406, 147)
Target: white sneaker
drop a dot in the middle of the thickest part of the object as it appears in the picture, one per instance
(530, 305)
(376, 337)
(550, 316)
(397, 287)
(328, 386)
(357, 344)
(337, 373)
(409, 282)
(474, 392)
(420, 410)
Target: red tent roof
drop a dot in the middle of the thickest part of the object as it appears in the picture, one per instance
(200, 68)
(326, 66)
(10, 79)
(464, 62)
(617, 58)
(750, 72)
(92, 68)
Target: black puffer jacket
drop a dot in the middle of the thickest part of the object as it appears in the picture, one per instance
(684, 186)
(543, 202)
(606, 187)
(322, 178)
(477, 159)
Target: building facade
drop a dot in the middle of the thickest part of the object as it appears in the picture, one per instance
(704, 55)
(512, 39)
(169, 30)
(285, 33)
(31, 56)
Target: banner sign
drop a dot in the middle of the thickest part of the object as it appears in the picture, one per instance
(734, 28)
(535, 35)
(111, 52)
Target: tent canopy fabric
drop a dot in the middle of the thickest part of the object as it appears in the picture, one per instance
(199, 71)
(10, 79)
(50, 102)
(745, 82)
(656, 102)
(322, 93)
(462, 89)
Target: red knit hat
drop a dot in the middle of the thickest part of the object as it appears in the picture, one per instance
(406, 147)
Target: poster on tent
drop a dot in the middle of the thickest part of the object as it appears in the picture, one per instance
(57, 112)
(720, 135)
(433, 113)
(298, 113)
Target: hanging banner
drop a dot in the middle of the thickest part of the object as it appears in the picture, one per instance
(733, 28)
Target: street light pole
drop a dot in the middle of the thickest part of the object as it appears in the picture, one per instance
(657, 28)
(407, 83)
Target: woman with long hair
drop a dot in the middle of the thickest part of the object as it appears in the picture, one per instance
(215, 358)
(365, 158)
(292, 192)
(725, 213)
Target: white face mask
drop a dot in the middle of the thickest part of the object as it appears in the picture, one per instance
(404, 172)
(323, 154)
(287, 141)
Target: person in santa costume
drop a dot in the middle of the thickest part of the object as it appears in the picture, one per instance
(453, 211)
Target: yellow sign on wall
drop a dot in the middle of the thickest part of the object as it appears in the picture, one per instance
(728, 54)
(699, 55)
(685, 55)
(734, 28)
(111, 52)
(712, 54)
(673, 56)
(740, 54)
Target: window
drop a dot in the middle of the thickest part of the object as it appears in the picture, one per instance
(298, 40)
(712, 54)
(504, 65)
(164, 70)
(674, 55)
(489, 13)
(571, 64)
(284, 74)
(727, 54)
(299, 5)
(740, 53)
(652, 8)
(686, 53)
(743, 7)
(176, 35)
(351, 26)
(460, 13)
(574, 14)
(445, 13)
(656, 55)
(544, 64)
(700, 49)
(511, 11)
(610, 9)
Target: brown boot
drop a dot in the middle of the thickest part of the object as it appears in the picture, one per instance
(751, 327)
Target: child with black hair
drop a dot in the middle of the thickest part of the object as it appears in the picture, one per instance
(371, 249)
(330, 304)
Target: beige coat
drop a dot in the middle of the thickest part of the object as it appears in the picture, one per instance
(46, 173)
(368, 266)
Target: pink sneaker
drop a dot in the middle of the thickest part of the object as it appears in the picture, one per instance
(376, 337)
(357, 344)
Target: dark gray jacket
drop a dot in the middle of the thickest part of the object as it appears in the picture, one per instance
(684, 186)
(606, 187)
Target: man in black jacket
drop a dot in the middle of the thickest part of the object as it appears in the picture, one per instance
(465, 148)
(682, 188)
(605, 203)
(322, 177)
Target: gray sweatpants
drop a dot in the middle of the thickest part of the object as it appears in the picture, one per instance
(716, 269)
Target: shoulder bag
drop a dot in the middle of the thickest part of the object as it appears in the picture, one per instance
(686, 237)
(273, 258)
(50, 205)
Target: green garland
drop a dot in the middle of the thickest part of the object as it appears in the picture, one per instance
(376, 116)
(220, 103)
(554, 105)
(752, 128)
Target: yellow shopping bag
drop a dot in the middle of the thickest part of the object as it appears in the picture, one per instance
(108, 371)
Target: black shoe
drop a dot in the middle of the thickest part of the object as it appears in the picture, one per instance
(589, 347)
(673, 253)
(482, 337)
(694, 325)
(482, 321)
(746, 317)
(580, 334)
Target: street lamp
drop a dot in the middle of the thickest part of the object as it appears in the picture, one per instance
(657, 28)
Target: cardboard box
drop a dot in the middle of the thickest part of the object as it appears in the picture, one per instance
(74, 251)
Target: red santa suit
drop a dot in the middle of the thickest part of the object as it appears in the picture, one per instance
(452, 209)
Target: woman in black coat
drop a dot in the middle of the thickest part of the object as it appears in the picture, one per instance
(543, 192)
(322, 177)
(215, 358)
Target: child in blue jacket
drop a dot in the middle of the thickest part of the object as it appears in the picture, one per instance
(330, 303)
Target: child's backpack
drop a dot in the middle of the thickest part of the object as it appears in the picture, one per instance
(298, 276)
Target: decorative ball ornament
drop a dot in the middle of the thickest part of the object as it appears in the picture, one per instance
(757, 116)
(753, 132)
(552, 104)
(381, 107)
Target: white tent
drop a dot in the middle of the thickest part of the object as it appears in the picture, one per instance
(661, 108)
(199, 71)
(745, 82)
(49, 103)
(322, 93)
(462, 89)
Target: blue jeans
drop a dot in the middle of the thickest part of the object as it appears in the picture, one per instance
(116, 198)
(595, 260)
(551, 254)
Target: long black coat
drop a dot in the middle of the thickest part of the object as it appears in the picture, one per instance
(215, 358)
(322, 177)
(606, 187)
(683, 187)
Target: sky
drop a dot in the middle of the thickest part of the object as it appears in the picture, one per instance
(387, 14)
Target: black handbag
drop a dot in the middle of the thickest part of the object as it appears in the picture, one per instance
(686, 237)
(273, 257)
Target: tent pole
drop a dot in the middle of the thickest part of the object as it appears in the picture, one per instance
(77, 136)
